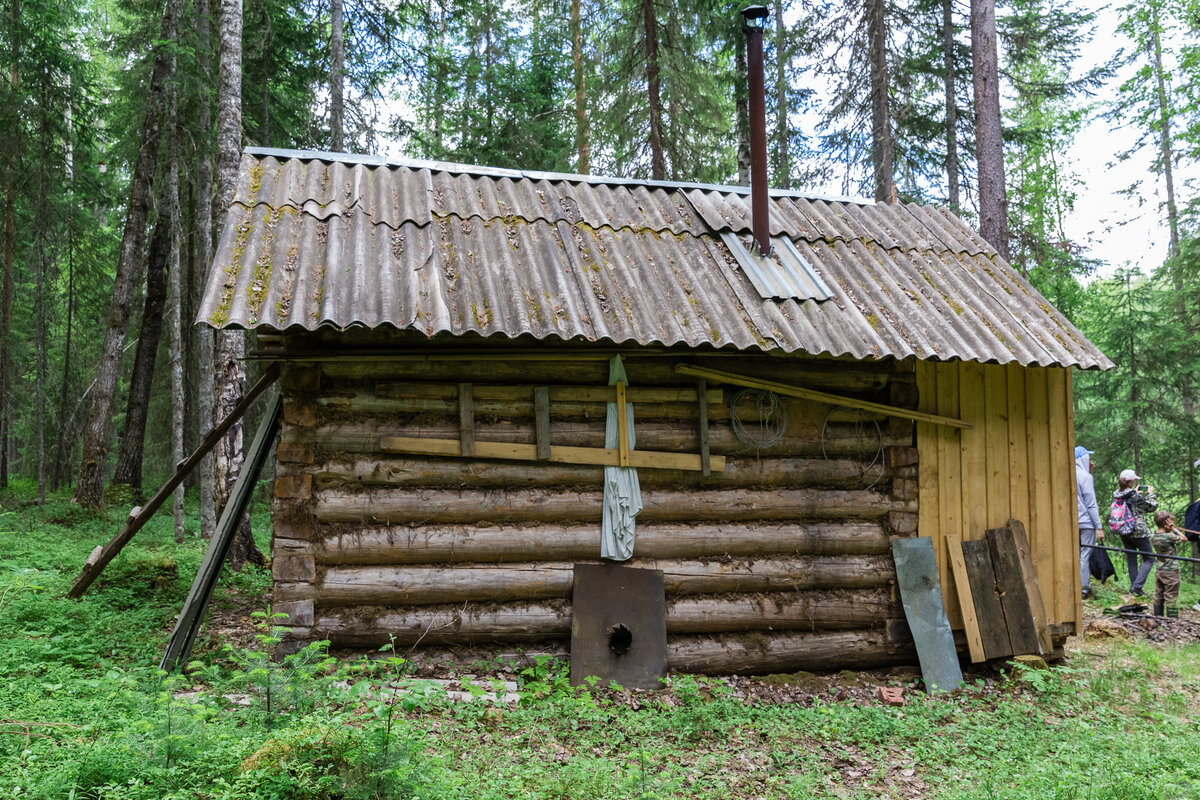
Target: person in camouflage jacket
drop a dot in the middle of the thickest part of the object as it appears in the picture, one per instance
(1166, 571)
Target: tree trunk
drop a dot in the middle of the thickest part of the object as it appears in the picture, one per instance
(129, 458)
(41, 325)
(203, 335)
(951, 104)
(989, 138)
(658, 167)
(175, 303)
(231, 344)
(9, 257)
(1187, 380)
(881, 122)
(89, 490)
(337, 70)
(783, 160)
(582, 132)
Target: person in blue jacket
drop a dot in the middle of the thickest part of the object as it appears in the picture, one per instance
(1089, 515)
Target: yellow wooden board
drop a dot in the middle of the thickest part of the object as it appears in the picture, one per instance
(963, 589)
(515, 451)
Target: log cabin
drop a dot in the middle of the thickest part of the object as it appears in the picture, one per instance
(446, 334)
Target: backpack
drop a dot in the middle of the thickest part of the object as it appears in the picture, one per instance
(1121, 519)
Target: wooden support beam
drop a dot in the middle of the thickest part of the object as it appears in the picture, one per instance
(622, 427)
(101, 556)
(822, 397)
(515, 451)
(179, 646)
(541, 420)
(702, 404)
(466, 419)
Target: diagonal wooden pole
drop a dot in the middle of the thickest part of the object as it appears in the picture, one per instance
(102, 555)
(179, 647)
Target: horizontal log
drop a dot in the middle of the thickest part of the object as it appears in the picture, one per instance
(758, 654)
(600, 394)
(455, 472)
(414, 585)
(815, 373)
(445, 506)
(489, 408)
(804, 438)
(457, 544)
(470, 623)
(554, 454)
(362, 400)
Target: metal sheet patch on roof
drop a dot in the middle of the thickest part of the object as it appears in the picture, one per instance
(784, 274)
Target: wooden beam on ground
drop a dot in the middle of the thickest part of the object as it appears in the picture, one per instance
(179, 646)
(516, 451)
(962, 587)
(101, 556)
(1029, 575)
(992, 627)
(822, 397)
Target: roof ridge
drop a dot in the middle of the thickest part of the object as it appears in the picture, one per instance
(501, 172)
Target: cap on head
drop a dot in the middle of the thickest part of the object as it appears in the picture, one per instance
(1080, 451)
(1130, 475)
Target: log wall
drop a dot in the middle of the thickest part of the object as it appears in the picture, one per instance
(781, 561)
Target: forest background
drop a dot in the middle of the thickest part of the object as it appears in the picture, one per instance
(121, 122)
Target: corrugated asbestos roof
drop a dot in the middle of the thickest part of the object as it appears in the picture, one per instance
(315, 239)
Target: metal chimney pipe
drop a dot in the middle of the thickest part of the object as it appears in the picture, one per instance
(755, 17)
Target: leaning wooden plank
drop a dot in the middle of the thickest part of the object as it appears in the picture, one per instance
(962, 587)
(518, 451)
(98, 561)
(1014, 599)
(992, 629)
(811, 394)
(921, 595)
(179, 646)
(1029, 576)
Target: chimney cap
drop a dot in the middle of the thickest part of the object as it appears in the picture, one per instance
(755, 13)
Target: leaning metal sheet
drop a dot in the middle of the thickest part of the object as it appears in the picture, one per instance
(921, 595)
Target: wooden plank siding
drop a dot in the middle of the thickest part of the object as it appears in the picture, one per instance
(1017, 462)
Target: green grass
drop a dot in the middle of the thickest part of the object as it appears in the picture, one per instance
(84, 713)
